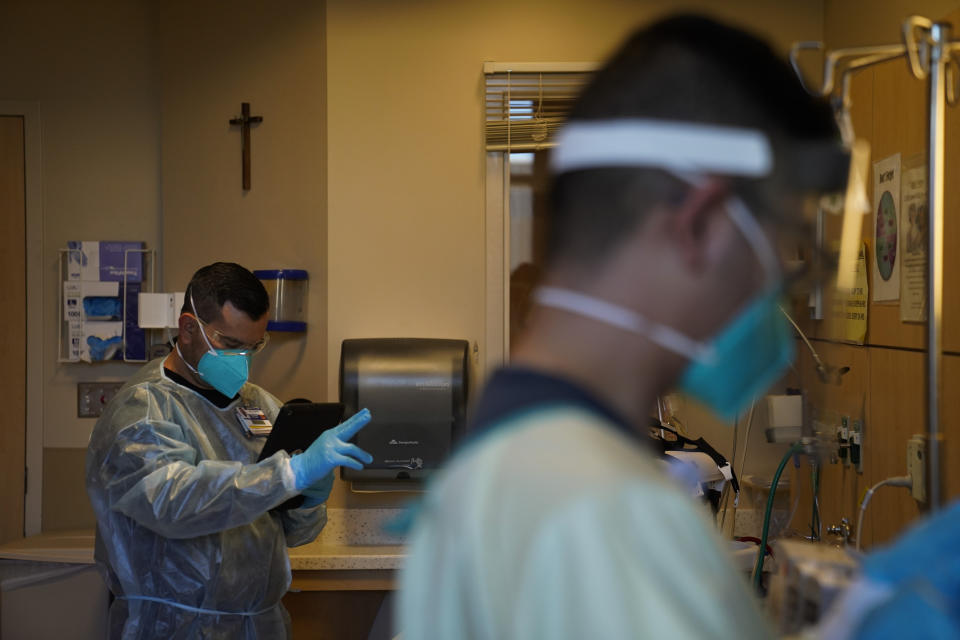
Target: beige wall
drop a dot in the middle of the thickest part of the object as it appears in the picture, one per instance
(134, 91)
(213, 56)
(406, 164)
(90, 68)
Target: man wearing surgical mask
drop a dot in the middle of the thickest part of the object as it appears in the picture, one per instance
(679, 182)
(189, 536)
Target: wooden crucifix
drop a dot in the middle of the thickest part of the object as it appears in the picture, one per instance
(245, 120)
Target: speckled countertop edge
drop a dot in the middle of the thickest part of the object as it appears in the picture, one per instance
(352, 539)
(314, 557)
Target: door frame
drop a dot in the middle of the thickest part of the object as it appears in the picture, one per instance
(36, 349)
(497, 261)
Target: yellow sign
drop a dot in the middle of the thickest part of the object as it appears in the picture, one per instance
(850, 305)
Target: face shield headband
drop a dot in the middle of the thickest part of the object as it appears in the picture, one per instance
(699, 149)
(813, 173)
(674, 146)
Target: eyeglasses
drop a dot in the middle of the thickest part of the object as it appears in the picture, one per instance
(229, 345)
(234, 346)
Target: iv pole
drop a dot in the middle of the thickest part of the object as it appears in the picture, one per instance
(929, 51)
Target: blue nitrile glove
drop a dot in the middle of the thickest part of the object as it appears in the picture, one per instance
(331, 450)
(924, 606)
(318, 492)
(101, 349)
(930, 542)
(922, 568)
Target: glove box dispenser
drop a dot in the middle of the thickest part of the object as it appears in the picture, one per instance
(416, 390)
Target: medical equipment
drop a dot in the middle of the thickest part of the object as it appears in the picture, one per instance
(929, 50)
(695, 462)
(797, 448)
(99, 301)
(899, 481)
(287, 289)
(808, 579)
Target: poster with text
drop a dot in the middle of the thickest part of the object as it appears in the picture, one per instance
(913, 233)
(850, 306)
(885, 266)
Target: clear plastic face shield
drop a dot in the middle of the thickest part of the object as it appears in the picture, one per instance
(810, 192)
(751, 352)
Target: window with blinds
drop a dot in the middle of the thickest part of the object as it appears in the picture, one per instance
(527, 103)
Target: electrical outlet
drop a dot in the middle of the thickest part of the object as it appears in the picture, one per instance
(917, 466)
(92, 397)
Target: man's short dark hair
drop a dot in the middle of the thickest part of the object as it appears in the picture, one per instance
(221, 282)
(689, 69)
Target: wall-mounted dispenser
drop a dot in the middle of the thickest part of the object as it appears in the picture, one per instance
(287, 289)
(416, 390)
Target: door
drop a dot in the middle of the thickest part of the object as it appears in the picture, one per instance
(13, 327)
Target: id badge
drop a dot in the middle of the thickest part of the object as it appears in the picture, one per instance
(254, 421)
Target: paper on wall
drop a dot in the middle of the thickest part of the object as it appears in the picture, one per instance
(913, 232)
(885, 266)
(850, 307)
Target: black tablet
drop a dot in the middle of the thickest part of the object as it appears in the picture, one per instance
(298, 424)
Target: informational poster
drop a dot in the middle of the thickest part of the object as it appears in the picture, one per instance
(850, 307)
(913, 233)
(885, 266)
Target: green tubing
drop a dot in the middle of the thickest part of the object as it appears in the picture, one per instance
(758, 569)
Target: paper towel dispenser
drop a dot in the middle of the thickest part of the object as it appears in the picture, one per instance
(416, 390)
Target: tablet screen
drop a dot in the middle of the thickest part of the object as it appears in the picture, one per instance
(299, 424)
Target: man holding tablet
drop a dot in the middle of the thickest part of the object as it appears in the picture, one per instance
(188, 534)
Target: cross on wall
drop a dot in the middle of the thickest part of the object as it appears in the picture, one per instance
(244, 121)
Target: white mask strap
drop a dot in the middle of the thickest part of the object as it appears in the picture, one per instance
(748, 226)
(180, 353)
(622, 318)
(740, 215)
(200, 323)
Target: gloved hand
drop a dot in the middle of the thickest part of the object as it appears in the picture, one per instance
(318, 492)
(931, 542)
(331, 450)
(924, 607)
(922, 568)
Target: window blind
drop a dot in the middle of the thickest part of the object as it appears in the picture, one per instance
(526, 105)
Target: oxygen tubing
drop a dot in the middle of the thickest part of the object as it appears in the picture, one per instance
(758, 569)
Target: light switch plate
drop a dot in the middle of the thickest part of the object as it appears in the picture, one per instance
(92, 397)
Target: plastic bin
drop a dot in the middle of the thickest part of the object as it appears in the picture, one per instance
(287, 289)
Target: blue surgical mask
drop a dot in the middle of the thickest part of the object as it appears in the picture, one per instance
(224, 371)
(748, 357)
(740, 362)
